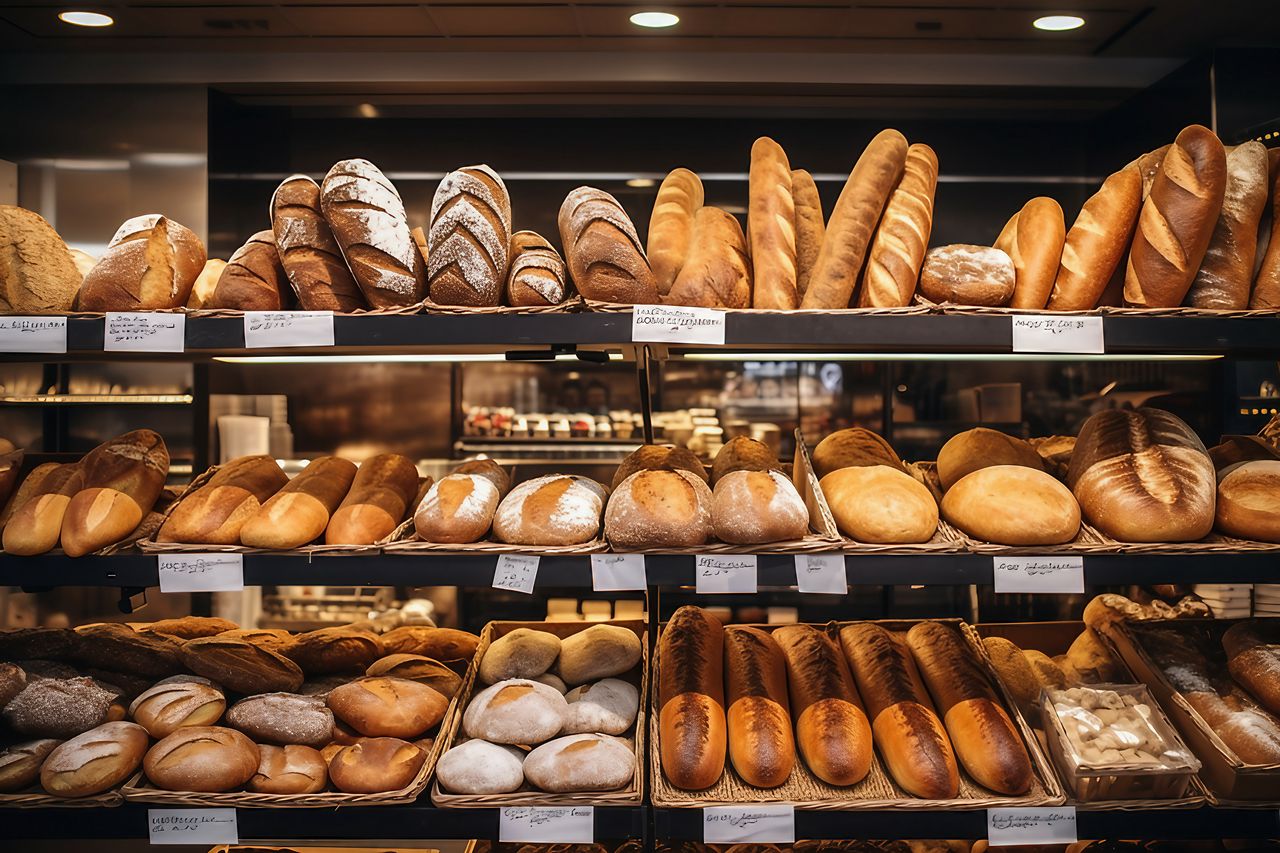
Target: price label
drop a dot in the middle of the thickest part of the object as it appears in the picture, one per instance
(615, 572)
(1045, 333)
(560, 825)
(732, 573)
(1039, 574)
(516, 572)
(672, 324)
(33, 334)
(201, 572)
(763, 824)
(192, 826)
(150, 331)
(288, 329)
(1009, 827)
(822, 573)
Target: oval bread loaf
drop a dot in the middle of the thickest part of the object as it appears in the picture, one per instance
(458, 509)
(291, 769)
(653, 457)
(848, 448)
(963, 274)
(600, 651)
(761, 745)
(382, 491)
(1033, 239)
(717, 270)
(608, 706)
(1097, 241)
(376, 764)
(755, 507)
(151, 263)
(38, 274)
(387, 707)
(480, 767)
(671, 226)
(522, 653)
(880, 505)
(585, 762)
(310, 255)
(743, 454)
(253, 279)
(167, 707)
(95, 761)
(215, 512)
(20, 764)
(469, 238)
(973, 449)
(1013, 505)
(205, 759)
(300, 511)
(691, 699)
(537, 275)
(603, 252)
(516, 711)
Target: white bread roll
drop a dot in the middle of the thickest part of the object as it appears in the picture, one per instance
(588, 762)
(1013, 505)
(877, 504)
(607, 707)
(458, 508)
(515, 711)
(753, 507)
(480, 767)
(558, 509)
(524, 653)
(659, 509)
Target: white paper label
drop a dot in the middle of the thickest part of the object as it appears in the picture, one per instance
(556, 825)
(822, 573)
(1007, 827)
(730, 573)
(288, 329)
(674, 324)
(612, 572)
(201, 572)
(1045, 333)
(1039, 574)
(192, 826)
(515, 572)
(149, 331)
(33, 334)
(763, 824)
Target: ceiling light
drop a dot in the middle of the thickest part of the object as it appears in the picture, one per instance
(86, 19)
(1058, 23)
(654, 20)
(640, 183)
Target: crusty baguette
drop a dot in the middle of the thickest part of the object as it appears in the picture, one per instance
(771, 221)
(810, 226)
(469, 238)
(603, 251)
(123, 478)
(893, 263)
(717, 271)
(379, 496)
(671, 226)
(691, 699)
(299, 512)
(1148, 166)
(1225, 278)
(1266, 284)
(1033, 240)
(214, 513)
(308, 251)
(36, 522)
(761, 745)
(853, 221)
(1096, 242)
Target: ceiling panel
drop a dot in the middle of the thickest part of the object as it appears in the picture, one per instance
(528, 21)
(775, 22)
(236, 22)
(382, 21)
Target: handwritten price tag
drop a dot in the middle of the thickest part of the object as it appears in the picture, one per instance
(1009, 827)
(201, 572)
(822, 573)
(192, 826)
(146, 332)
(288, 329)
(670, 324)
(763, 824)
(564, 825)
(614, 572)
(1039, 574)
(736, 573)
(516, 572)
(1044, 333)
(33, 334)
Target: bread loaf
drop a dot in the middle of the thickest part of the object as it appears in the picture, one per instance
(810, 226)
(756, 507)
(376, 764)
(13, 680)
(95, 761)
(1248, 501)
(671, 226)
(1266, 282)
(1088, 661)
(1034, 244)
(25, 486)
(283, 718)
(243, 667)
(1253, 659)
(654, 457)
(387, 707)
(1177, 221)
(336, 649)
(761, 745)
(469, 238)
(417, 668)
(291, 769)
(368, 221)
(111, 645)
(598, 652)
(458, 508)
(897, 252)
(206, 282)
(771, 221)
(20, 764)
(659, 509)
(516, 711)
(490, 470)
(603, 252)
(1225, 278)
(1012, 505)
(442, 644)
(37, 272)
(1097, 241)
(253, 280)
(717, 269)
(169, 706)
(480, 767)
(188, 627)
(877, 504)
(1148, 166)
(968, 275)
(380, 494)
(58, 707)
(151, 263)
(537, 275)
(214, 513)
(522, 653)
(582, 762)
(300, 511)
(36, 522)
(974, 449)
(122, 480)
(853, 221)
(608, 706)
(1143, 476)
(551, 510)
(1014, 671)
(206, 759)
(743, 454)
(832, 731)
(691, 714)
(848, 448)
(310, 255)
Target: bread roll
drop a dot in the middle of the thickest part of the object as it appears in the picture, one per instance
(974, 449)
(388, 707)
(299, 512)
(13, 680)
(877, 504)
(537, 275)
(1012, 505)
(122, 480)
(1143, 476)
(20, 764)
(310, 255)
(36, 523)
(602, 250)
(458, 508)
(442, 644)
(242, 667)
(26, 487)
(832, 731)
(516, 711)
(608, 706)
(282, 719)
(1177, 220)
(111, 645)
(756, 507)
(848, 448)
(214, 513)
(1248, 504)
(37, 272)
(206, 759)
(151, 263)
(253, 280)
(1253, 659)
(583, 762)
(552, 510)
(771, 222)
(1266, 282)
(897, 252)
(671, 226)
(853, 221)
(167, 707)
(654, 457)
(1034, 244)
(1225, 278)
(717, 269)
(95, 761)
(58, 708)
(381, 493)
(691, 715)
(1089, 662)
(375, 765)
(810, 226)
(743, 454)
(490, 470)
(292, 769)
(421, 669)
(1014, 671)
(761, 745)
(659, 509)
(1097, 241)
(968, 275)
(480, 767)
(598, 652)
(522, 653)
(469, 238)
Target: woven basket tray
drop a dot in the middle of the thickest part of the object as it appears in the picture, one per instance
(451, 728)
(594, 305)
(415, 308)
(1087, 541)
(35, 798)
(404, 540)
(571, 305)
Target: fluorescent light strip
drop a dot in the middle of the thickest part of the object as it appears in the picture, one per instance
(416, 358)
(934, 356)
(623, 177)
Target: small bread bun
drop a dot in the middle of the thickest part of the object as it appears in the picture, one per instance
(388, 707)
(754, 507)
(20, 764)
(375, 765)
(292, 769)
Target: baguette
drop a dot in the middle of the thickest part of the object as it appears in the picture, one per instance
(214, 513)
(717, 269)
(810, 226)
(253, 279)
(984, 737)
(469, 238)
(691, 714)
(27, 487)
(832, 731)
(761, 746)
(1033, 240)
(1226, 275)
(671, 226)
(36, 522)
(123, 478)
(380, 495)
(906, 728)
(893, 262)
(1266, 283)
(309, 253)
(771, 223)
(853, 221)
(299, 512)
(1096, 242)
(603, 251)
(1148, 166)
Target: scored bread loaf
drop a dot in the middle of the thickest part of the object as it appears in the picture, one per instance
(603, 252)
(968, 451)
(376, 764)
(671, 226)
(241, 666)
(1177, 220)
(383, 706)
(810, 226)
(648, 457)
(283, 718)
(659, 509)
(151, 262)
(1012, 505)
(743, 454)
(754, 507)
(1225, 278)
(901, 239)
(1148, 166)
(443, 644)
(691, 699)
(853, 447)
(290, 769)
(95, 761)
(1033, 240)
(253, 279)
(771, 223)
(380, 494)
(214, 513)
(38, 274)
(1266, 283)
(122, 478)
(853, 221)
(552, 510)
(761, 745)
(171, 705)
(877, 504)
(469, 238)
(1096, 243)
(206, 759)
(717, 269)
(457, 509)
(368, 221)
(300, 511)
(965, 274)
(310, 255)
(537, 274)
(36, 521)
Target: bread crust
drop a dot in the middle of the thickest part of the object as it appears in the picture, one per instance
(771, 223)
(897, 252)
(1096, 243)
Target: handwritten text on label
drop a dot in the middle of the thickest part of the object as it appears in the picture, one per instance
(33, 334)
(764, 824)
(288, 329)
(201, 572)
(556, 825)
(1039, 574)
(614, 572)
(1041, 333)
(515, 572)
(1007, 827)
(192, 826)
(821, 573)
(676, 324)
(730, 573)
(150, 331)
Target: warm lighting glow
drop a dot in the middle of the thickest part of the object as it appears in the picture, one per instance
(654, 20)
(1058, 23)
(641, 183)
(86, 19)
(367, 111)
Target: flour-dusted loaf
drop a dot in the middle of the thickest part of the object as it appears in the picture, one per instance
(608, 706)
(151, 263)
(480, 767)
(691, 714)
(253, 280)
(810, 226)
(1225, 278)
(215, 512)
(671, 226)
(516, 711)
(600, 651)
(1033, 239)
(522, 653)
(582, 762)
(300, 511)
(878, 504)
(902, 237)
(756, 507)
(761, 744)
(283, 719)
(659, 509)
(37, 272)
(964, 274)
(122, 478)
(205, 759)
(771, 224)
(537, 275)
(381, 493)
(1012, 505)
(310, 254)
(95, 761)
(1248, 504)
(966, 452)
(1097, 241)
(1266, 282)
(603, 251)
(558, 509)
(58, 707)
(458, 508)
(654, 457)
(717, 269)
(469, 238)
(368, 220)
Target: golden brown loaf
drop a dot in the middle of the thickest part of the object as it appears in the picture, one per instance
(897, 252)
(442, 644)
(522, 653)
(810, 226)
(253, 279)
(1014, 671)
(558, 509)
(1034, 244)
(659, 509)
(418, 668)
(1012, 505)
(36, 520)
(771, 223)
(207, 759)
(877, 504)
(240, 666)
(1248, 504)
(458, 508)
(1097, 241)
(761, 745)
(850, 448)
(299, 512)
(376, 764)
(717, 269)
(1253, 659)
(691, 699)
(1177, 220)
(1266, 283)
(1089, 662)
(310, 255)
(490, 470)
(202, 291)
(963, 274)
(755, 507)
(853, 221)
(26, 487)
(336, 649)
(188, 627)
(968, 451)
(290, 769)
(743, 454)
(95, 761)
(1148, 166)
(469, 238)
(657, 457)
(1225, 278)
(151, 262)
(388, 707)
(114, 646)
(20, 764)
(10, 465)
(603, 251)
(671, 226)
(214, 513)
(380, 494)
(600, 651)
(122, 478)
(537, 275)
(167, 707)
(37, 272)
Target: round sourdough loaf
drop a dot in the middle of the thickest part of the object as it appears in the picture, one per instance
(743, 454)
(659, 509)
(656, 457)
(516, 711)
(967, 275)
(20, 764)
(598, 652)
(458, 509)
(972, 449)
(207, 759)
(1249, 501)
(292, 769)
(418, 668)
(95, 761)
(167, 707)
(587, 762)
(388, 707)
(376, 764)
(523, 653)
(608, 706)
(283, 719)
(752, 507)
(480, 767)
(552, 510)
(1012, 505)
(877, 504)
(853, 448)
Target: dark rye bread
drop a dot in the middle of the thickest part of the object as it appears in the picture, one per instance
(253, 279)
(469, 238)
(309, 253)
(18, 644)
(761, 745)
(537, 275)
(691, 699)
(241, 667)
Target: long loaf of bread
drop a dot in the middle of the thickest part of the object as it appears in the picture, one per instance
(691, 699)
(470, 235)
(1148, 166)
(983, 735)
(1033, 240)
(893, 263)
(761, 745)
(1266, 283)
(379, 497)
(853, 221)
(832, 731)
(603, 251)
(308, 251)
(907, 730)
(299, 512)
(1096, 242)
(771, 222)
(123, 478)
(1225, 279)
(36, 520)
(717, 271)
(810, 226)
(671, 226)
(214, 513)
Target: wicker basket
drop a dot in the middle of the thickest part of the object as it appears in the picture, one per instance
(571, 305)
(594, 305)
(415, 308)
(35, 798)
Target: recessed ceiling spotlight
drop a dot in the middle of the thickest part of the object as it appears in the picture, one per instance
(1058, 23)
(654, 20)
(641, 182)
(86, 19)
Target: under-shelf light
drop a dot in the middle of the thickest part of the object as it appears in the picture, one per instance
(747, 355)
(413, 358)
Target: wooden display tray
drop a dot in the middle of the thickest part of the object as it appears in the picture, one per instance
(571, 305)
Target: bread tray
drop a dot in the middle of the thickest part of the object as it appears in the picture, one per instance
(404, 540)
(415, 308)
(571, 305)
(595, 305)
(35, 798)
